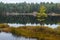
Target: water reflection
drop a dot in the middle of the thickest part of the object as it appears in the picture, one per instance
(9, 36)
(29, 24)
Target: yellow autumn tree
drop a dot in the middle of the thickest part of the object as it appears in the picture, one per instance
(41, 15)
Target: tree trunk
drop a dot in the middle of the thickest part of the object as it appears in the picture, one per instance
(42, 25)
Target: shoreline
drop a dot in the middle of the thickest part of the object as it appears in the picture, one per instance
(38, 32)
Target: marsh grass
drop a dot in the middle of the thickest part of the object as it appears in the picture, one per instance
(41, 33)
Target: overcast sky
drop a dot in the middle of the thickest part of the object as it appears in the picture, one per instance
(29, 1)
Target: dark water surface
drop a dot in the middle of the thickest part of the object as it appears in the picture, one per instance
(9, 36)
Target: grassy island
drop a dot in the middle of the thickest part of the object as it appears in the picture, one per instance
(41, 33)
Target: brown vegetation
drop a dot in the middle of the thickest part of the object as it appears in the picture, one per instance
(41, 33)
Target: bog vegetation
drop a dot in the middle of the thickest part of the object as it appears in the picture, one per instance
(41, 33)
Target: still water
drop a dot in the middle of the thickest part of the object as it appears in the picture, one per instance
(29, 24)
(9, 36)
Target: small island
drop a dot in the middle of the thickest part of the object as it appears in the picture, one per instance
(38, 32)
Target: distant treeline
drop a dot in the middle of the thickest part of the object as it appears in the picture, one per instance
(29, 7)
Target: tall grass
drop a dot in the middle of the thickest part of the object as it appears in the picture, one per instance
(42, 33)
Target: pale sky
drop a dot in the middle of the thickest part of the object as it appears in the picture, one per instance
(29, 1)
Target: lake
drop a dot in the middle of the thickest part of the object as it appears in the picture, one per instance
(9, 36)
